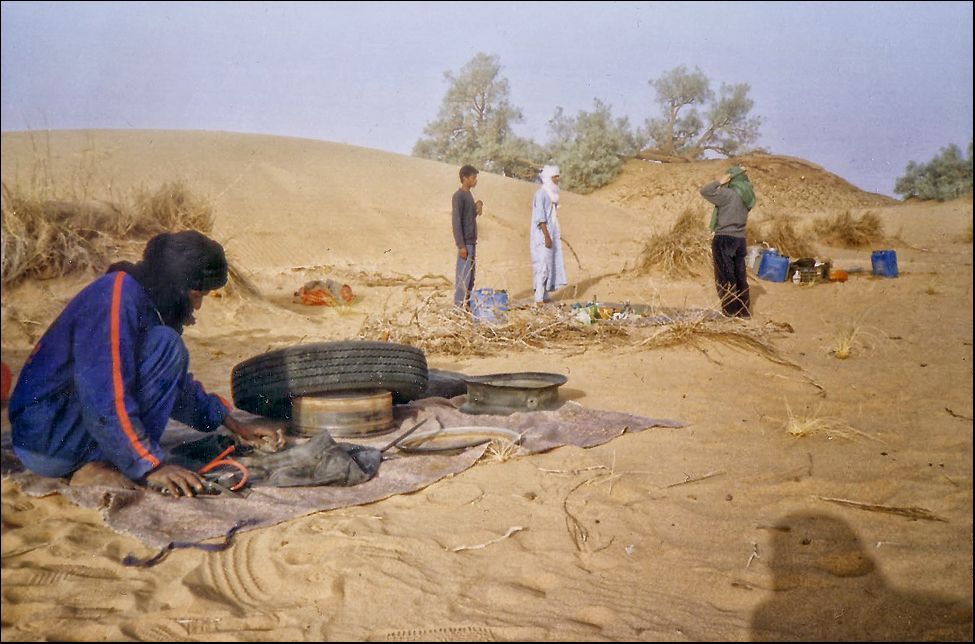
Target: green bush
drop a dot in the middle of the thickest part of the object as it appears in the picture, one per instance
(589, 148)
(947, 176)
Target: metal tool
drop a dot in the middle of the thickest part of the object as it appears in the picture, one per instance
(404, 435)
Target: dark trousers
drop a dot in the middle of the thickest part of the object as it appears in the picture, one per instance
(730, 276)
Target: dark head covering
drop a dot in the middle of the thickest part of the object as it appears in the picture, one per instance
(172, 265)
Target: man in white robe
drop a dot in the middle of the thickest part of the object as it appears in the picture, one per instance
(545, 238)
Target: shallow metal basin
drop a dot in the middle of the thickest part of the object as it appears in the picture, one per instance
(506, 393)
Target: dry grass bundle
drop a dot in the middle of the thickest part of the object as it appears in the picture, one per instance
(500, 450)
(239, 285)
(782, 233)
(439, 327)
(685, 250)
(810, 424)
(845, 231)
(849, 337)
(170, 208)
(45, 235)
(40, 241)
(698, 328)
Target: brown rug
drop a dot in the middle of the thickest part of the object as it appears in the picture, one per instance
(158, 521)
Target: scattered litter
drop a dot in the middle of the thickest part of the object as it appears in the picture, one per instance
(638, 314)
(593, 311)
(324, 293)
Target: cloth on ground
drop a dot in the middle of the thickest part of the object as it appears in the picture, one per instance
(157, 521)
(317, 461)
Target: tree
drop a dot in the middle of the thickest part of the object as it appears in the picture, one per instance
(474, 122)
(947, 176)
(684, 133)
(590, 147)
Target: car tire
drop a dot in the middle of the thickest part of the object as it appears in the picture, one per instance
(266, 384)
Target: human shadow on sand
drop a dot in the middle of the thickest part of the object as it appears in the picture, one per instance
(827, 588)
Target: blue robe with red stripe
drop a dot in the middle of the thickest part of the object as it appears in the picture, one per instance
(81, 395)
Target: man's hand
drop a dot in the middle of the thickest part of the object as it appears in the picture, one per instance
(725, 178)
(462, 252)
(261, 434)
(479, 207)
(548, 238)
(177, 481)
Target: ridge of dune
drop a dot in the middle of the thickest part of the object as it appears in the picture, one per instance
(784, 185)
(309, 202)
(284, 202)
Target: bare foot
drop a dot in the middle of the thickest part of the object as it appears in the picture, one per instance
(101, 473)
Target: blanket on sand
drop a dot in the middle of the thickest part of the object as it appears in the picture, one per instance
(158, 520)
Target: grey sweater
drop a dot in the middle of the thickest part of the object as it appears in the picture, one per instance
(732, 213)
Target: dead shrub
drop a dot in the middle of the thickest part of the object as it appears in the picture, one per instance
(239, 286)
(45, 235)
(684, 250)
(852, 337)
(438, 327)
(809, 423)
(696, 329)
(782, 232)
(172, 207)
(846, 231)
(42, 240)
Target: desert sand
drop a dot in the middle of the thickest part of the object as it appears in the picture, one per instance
(729, 528)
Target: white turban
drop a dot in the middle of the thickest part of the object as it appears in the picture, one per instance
(549, 171)
(550, 186)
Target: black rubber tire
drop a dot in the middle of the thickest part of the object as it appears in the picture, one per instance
(266, 384)
(445, 384)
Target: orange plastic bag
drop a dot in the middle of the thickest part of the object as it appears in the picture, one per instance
(324, 293)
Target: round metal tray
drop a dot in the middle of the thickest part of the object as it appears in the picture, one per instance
(450, 439)
(506, 393)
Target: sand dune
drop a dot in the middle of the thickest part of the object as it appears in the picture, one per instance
(683, 526)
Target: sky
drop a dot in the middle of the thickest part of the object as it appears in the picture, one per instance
(859, 88)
